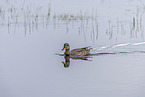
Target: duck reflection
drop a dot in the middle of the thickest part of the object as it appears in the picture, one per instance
(67, 59)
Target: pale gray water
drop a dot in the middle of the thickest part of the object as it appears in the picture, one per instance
(29, 41)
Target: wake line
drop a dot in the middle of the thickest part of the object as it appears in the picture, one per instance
(117, 53)
(117, 45)
(126, 44)
(139, 43)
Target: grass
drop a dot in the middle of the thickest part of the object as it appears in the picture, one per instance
(86, 22)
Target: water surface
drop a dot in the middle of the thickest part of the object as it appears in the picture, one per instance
(32, 32)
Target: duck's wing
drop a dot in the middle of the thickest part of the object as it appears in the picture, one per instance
(85, 47)
(81, 49)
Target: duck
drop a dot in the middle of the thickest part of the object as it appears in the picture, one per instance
(76, 52)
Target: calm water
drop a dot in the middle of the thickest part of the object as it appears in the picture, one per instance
(33, 33)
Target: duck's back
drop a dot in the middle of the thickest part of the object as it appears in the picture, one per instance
(80, 51)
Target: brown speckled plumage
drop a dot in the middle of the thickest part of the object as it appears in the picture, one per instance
(76, 52)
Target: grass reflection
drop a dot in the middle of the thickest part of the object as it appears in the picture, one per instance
(84, 21)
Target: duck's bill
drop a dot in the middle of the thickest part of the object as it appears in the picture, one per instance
(64, 63)
(63, 49)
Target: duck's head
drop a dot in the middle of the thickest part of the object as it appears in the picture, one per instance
(66, 46)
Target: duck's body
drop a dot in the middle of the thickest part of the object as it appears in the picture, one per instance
(76, 52)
